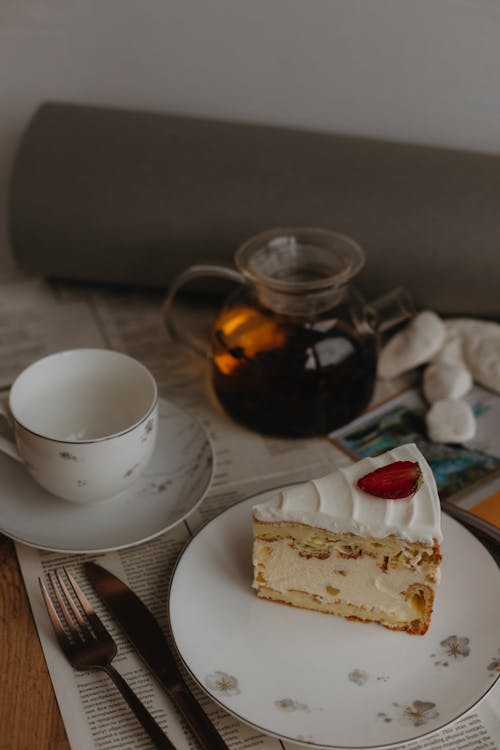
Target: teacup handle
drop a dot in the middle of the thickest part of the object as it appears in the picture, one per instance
(8, 446)
(185, 338)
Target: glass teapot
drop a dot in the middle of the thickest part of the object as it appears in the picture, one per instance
(294, 348)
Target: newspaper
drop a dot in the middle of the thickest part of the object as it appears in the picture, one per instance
(38, 318)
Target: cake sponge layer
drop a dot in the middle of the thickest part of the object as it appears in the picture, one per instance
(357, 578)
(421, 598)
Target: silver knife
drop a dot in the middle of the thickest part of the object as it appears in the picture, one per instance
(149, 640)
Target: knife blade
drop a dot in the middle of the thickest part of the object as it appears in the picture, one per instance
(147, 637)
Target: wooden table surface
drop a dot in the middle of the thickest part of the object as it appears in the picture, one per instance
(29, 715)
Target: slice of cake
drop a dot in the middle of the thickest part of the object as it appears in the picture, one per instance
(362, 542)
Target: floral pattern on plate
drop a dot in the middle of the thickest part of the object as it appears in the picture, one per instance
(419, 713)
(288, 704)
(157, 487)
(358, 676)
(222, 683)
(494, 665)
(453, 648)
(361, 677)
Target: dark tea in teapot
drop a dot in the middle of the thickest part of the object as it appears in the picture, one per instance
(285, 376)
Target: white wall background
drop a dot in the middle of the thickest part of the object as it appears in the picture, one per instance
(426, 71)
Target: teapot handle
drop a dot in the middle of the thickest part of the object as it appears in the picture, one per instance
(390, 309)
(183, 337)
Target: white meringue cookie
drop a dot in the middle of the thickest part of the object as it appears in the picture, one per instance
(451, 421)
(415, 345)
(480, 341)
(445, 380)
(451, 351)
(483, 357)
(469, 328)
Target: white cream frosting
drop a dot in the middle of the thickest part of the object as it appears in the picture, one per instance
(335, 503)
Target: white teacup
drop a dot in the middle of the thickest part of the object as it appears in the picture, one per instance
(85, 422)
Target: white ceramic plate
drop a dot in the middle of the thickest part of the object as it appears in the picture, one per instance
(173, 485)
(323, 681)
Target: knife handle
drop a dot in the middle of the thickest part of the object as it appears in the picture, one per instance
(155, 732)
(197, 720)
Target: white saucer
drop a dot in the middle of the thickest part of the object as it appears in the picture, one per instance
(319, 680)
(173, 485)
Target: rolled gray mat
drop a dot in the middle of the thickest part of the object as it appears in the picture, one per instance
(131, 197)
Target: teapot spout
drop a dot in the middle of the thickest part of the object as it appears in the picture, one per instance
(390, 309)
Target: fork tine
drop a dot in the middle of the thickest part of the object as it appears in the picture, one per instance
(64, 601)
(69, 599)
(61, 636)
(70, 623)
(93, 618)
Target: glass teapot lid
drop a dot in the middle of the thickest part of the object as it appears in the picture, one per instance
(308, 258)
(310, 265)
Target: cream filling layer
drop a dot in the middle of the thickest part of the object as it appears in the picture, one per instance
(359, 582)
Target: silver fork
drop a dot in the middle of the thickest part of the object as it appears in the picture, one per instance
(90, 646)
